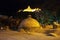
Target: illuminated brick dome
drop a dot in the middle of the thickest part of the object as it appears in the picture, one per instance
(30, 22)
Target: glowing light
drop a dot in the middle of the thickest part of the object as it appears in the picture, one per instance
(31, 10)
(19, 10)
(56, 23)
(28, 9)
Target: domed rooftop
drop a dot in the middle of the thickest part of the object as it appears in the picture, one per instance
(30, 22)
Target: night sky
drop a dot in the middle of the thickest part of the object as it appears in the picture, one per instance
(12, 6)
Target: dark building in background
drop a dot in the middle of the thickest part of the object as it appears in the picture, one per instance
(10, 7)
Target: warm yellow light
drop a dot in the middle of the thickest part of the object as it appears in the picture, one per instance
(19, 10)
(31, 10)
(28, 9)
(56, 23)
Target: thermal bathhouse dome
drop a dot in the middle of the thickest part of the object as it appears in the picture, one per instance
(30, 24)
